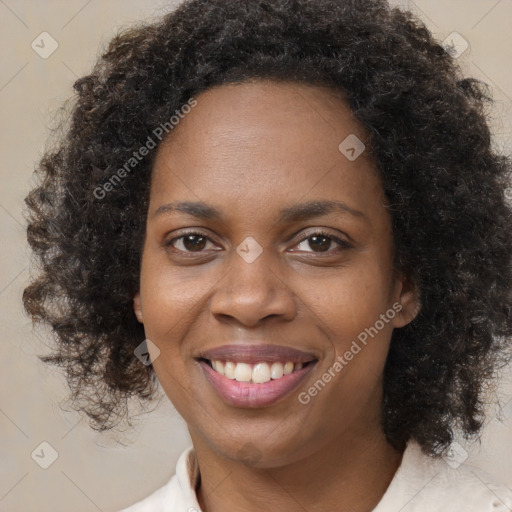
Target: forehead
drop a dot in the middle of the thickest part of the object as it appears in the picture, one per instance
(264, 143)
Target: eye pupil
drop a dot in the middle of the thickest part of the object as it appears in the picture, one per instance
(197, 245)
(322, 246)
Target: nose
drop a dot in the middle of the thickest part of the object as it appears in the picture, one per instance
(251, 292)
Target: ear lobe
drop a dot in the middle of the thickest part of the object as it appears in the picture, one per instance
(410, 303)
(137, 307)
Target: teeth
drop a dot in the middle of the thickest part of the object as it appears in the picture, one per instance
(276, 370)
(218, 366)
(288, 368)
(258, 373)
(243, 372)
(261, 373)
(229, 370)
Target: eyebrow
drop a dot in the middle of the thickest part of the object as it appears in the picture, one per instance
(296, 212)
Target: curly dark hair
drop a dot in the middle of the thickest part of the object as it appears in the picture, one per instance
(428, 132)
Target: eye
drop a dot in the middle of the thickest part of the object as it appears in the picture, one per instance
(189, 242)
(320, 241)
(196, 242)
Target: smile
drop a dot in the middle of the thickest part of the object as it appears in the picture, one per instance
(258, 373)
(253, 376)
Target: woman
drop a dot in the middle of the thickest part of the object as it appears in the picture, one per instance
(290, 214)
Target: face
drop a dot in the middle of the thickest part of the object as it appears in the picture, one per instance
(266, 280)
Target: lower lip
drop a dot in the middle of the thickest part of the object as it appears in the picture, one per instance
(250, 395)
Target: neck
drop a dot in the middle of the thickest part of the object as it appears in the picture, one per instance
(350, 473)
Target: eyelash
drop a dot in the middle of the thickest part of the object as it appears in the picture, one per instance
(342, 243)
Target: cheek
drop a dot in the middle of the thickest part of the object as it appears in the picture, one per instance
(169, 308)
(349, 300)
(353, 308)
(170, 300)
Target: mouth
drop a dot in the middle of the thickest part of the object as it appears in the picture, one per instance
(254, 376)
(258, 373)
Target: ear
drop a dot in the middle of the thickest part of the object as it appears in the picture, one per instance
(137, 307)
(407, 300)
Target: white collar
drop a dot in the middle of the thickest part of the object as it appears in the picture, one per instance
(421, 484)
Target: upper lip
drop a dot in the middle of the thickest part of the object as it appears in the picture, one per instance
(256, 353)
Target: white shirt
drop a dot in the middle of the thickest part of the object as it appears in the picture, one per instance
(421, 484)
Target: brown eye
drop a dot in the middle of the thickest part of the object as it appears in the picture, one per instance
(321, 242)
(190, 242)
(194, 242)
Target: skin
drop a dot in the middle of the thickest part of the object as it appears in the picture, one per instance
(250, 150)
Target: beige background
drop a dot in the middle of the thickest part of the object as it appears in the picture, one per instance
(92, 472)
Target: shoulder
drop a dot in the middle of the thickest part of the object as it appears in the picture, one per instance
(435, 484)
(158, 498)
(177, 494)
(163, 498)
